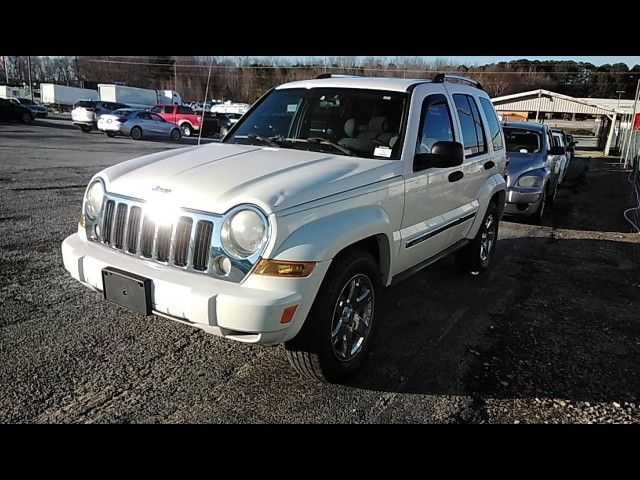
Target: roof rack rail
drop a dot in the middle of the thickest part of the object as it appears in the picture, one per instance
(336, 75)
(441, 77)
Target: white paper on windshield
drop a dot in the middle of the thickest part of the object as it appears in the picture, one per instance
(382, 152)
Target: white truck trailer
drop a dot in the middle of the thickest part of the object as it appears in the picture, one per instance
(137, 97)
(63, 97)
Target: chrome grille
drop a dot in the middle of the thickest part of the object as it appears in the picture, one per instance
(127, 228)
(189, 240)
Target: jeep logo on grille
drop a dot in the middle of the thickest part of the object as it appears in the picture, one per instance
(161, 190)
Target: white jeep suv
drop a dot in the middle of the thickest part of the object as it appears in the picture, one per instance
(325, 192)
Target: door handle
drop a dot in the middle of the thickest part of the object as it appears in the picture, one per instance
(455, 176)
(489, 165)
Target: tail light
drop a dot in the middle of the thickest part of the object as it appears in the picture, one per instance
(121, 119)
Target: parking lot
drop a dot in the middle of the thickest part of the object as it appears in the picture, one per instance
(550, 334)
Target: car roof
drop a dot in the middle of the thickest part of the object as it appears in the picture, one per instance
(525, 125)
(373, 83)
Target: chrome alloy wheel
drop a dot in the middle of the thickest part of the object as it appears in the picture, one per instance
(352, 317)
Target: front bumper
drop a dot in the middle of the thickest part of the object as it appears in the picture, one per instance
(522, 201)
(250, 312)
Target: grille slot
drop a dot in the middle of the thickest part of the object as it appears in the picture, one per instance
(121, 221)
(181, 241)
(133, 229)
(108, 221)
(201, 244)
(163, 243)
(146, 239)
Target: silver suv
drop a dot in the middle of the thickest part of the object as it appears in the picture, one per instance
(85, 113)
(286, 232)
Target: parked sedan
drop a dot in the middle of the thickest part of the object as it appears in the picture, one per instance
(12, 111)
(38, 110)
(137, 123)
(534, 171)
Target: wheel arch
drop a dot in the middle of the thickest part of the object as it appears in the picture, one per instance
(365, 228)
(493, 190)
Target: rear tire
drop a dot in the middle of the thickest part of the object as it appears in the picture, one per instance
(340, 328)
(110, 134)
(176, 134)
(85, 128)
(136, 133)
(476, 257)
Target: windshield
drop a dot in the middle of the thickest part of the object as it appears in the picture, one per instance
(522, 141)
(364, 123)
(25, 101)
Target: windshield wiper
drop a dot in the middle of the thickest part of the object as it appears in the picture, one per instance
(324, 141)
(268, 141)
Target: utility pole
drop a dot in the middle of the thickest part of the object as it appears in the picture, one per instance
(175, 74)
(78, 72)
(620, 92)
(30, 82)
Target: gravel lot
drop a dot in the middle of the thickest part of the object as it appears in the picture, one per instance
(550, 334)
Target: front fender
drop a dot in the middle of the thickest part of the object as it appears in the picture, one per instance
(324, 238)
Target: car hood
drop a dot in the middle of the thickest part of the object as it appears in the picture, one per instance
(519, 162)
(217, 177)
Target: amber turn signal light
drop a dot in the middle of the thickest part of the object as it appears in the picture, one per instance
(81, 220)
(287, 314)
(277, 268)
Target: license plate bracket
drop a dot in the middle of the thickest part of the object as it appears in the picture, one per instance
(127, 290)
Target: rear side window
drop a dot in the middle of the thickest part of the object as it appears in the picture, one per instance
(168, 109)
(475, 142)
(492, 121)
(184, 110)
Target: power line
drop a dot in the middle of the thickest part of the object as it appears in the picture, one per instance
(357, 67)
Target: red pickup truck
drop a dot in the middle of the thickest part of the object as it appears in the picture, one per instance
(188, 120)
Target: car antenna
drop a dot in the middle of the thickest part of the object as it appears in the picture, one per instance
(204, 103)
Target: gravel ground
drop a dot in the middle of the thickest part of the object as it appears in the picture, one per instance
(549, 334)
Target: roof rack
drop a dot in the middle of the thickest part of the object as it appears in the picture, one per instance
(336, 75)
(441, 77)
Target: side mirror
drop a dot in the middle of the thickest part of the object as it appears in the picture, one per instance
(557, 151)
(443, 154)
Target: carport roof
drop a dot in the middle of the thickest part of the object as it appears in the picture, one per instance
(548, 101)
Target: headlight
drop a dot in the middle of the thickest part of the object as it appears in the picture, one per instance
(529, 181)
(93, 199)
(244, 232)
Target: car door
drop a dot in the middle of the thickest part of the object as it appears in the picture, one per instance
(433, 196)
(479, 160)
(143, 119)
(160, 125)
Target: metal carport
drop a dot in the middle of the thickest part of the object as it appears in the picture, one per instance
(546, 101)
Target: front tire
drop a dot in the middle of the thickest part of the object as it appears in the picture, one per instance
(341, 325)
(110, 134)
(187, 131)
(136, 133)
(476, 257)
(26, 117)
(536, 217)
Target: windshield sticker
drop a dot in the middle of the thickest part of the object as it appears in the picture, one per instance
(382, 152)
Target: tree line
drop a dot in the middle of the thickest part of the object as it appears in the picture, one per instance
(244, 79)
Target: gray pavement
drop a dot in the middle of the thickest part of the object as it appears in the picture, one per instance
(67, 356)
